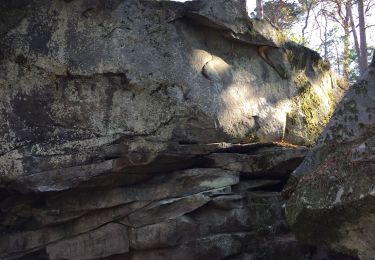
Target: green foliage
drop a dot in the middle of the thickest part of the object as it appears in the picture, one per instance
(293, 37)
(282, 13)
(324, 26)
(354, 73)
(370, 52)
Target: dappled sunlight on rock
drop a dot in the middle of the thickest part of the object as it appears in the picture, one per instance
(334, 186)
(151, 130)
(252, 113)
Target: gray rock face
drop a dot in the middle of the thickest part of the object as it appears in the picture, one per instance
(266, 163)
(123, 127)
(78, 77)
(105, 241)
(196, 213)
(333, 189)
(90, 90)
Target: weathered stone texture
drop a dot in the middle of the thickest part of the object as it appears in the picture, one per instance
(332, 191)
(127, 130)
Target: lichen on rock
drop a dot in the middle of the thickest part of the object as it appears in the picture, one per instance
(127, 124)
(333, 188)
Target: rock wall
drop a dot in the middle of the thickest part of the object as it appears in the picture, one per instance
(332, 191)
(78, 76)
(226, 205)
(209, 211)
(124, 129)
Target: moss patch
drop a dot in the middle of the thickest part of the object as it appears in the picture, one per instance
(307, 112)
(251, 137)
(322, 65)
(309, 103)
(280, 37)
(302, 81)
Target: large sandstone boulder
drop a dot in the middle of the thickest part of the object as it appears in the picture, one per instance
(332, 199)
(126, 130)
(86, 82)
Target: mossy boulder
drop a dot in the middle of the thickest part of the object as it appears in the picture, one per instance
(332, 195)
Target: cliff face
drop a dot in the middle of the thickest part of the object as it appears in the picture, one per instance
(78, 76)
(117, 123)
(207, 211)
(333, 189)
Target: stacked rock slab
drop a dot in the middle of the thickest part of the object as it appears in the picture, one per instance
(211, 211)
(176, 209)
(332, 192)
(117, 124)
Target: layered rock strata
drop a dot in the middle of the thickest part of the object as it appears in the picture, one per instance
(210, 210)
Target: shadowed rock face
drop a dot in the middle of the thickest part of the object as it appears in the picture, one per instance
(215, 211)
(332, 192)
(120, 123)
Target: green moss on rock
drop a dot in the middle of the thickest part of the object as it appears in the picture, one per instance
(307, 111)
(251, 137)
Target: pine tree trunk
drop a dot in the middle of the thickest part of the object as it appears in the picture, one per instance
(308, 6)
(346, 54)
(362, 38)
(372, 64)
(355, 37)
(259, 9)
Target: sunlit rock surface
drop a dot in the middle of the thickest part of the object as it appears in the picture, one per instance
(94, 86)
(332, 191)
(120, 123)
